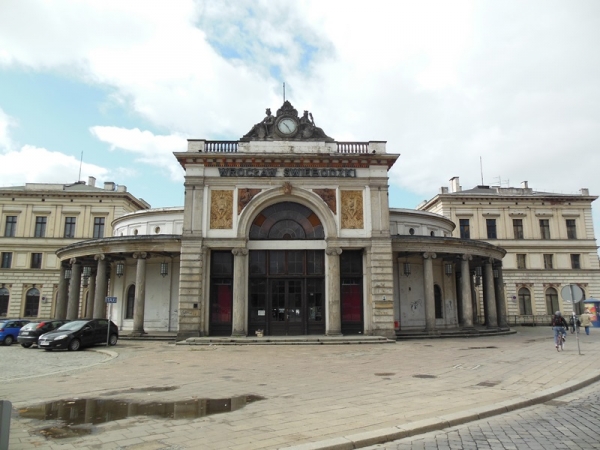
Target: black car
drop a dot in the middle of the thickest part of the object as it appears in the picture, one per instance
(29, 333)
(80, 333)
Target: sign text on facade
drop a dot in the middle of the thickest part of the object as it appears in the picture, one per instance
(286, 172)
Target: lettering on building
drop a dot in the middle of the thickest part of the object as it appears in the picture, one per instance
(287, 172)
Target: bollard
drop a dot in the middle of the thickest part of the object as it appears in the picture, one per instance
(5, 411)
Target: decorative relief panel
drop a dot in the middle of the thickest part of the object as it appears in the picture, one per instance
(352, 209)
(244, 197)
(328, 196)
(221, 209)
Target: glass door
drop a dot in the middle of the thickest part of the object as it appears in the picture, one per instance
(287, 312)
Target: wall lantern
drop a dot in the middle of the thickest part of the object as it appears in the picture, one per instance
(164, 269)
(478, 271)
(87, 271)
(496, 273)
(477, 280)
(120, 268)
(448, 269)
(86, 281)
(407, 268)
(67, 274)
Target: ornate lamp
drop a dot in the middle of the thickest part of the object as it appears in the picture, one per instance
(67, 274)
(448, 269)
(120, 268)
(164, 269)
(87, 271)
(407, 268)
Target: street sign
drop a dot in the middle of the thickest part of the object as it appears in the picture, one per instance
(111, 299)
(571, 293)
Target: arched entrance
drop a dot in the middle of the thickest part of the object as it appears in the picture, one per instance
(286, 285)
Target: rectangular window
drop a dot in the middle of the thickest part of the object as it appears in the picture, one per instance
(575, 262)
(521, 263)
(518, 228)
(11, 226)
(571, 230)
(98, 227)
(548, 262)
(69, 227)
(465, 233)
(545, 228)
(6, 260)
(36, 260)
(40, 226)
(491, 228)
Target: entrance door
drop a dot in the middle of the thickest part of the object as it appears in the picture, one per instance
(287, 312)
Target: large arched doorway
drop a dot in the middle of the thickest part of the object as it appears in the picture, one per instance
(32, 303)
(286, 282)
(4, 297)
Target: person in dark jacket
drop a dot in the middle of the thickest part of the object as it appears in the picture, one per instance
(559, 326)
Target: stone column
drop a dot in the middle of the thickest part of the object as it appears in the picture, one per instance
(62, 298)
(500, 297)
(429, 291)
(74, 290)
(140, 294)
(240, 281)
(334, 313)
(489, 295)
(465, 290)
(89, 307)
(101, 288)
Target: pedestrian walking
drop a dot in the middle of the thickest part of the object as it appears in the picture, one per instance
(586, 321)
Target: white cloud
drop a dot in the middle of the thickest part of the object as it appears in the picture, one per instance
(6, 122)
(147, 147)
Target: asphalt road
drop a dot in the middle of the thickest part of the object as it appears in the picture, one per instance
(568, 422)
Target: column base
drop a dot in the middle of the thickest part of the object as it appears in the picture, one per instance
(238, 334)
(333, 333)
(137, 333)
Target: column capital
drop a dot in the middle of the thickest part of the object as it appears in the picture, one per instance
(239, 251)
(332, 251)
(100, 257)
(140, 255)
(429, 255)
(74, 261)
(466, 257)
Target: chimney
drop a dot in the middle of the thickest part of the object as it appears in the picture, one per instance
(584, 191)
(92, 181)
(454, 184)
(443, 190)
(109, 186)
(524, 184)
(121, 188)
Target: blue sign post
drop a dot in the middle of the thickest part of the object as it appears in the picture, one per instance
(109, 301)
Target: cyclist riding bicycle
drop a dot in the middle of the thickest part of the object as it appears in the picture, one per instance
(559, 326)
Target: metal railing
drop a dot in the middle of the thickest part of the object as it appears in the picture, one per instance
(530, 320)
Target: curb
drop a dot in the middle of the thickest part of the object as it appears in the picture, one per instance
(384, 435)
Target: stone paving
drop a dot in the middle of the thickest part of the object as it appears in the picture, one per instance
(568, 422)
(315, 396)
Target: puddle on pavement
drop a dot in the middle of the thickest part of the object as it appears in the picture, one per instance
(93, 411)
(424, 376)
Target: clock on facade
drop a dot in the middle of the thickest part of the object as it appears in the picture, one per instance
(287, 126)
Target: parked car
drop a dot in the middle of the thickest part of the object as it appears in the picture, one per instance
(31, 331)
(9, 330)
(80, 333)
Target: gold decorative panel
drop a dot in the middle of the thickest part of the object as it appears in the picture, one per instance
(352, 209)
(244, 197)
(221, 209)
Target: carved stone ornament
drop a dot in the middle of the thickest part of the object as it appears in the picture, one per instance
(352, 209)
(221, 209)
(287, 188)
(244, 197)
(328, 196)
(286, 125)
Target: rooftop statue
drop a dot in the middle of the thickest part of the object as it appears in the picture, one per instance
(286, 125)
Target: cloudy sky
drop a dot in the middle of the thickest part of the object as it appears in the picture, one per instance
(509, 86)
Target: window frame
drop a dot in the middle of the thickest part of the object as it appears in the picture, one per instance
(491, 228)
(548, 261)
(36, 261)
(518, 229)
(571, 228)
(6, 260)
(40, 226)
(70, 226)
(521, 261)
(545, 229)
(464, 228)
(10, 226)
(575, 261)
(99, 225)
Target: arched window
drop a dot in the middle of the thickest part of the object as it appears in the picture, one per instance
(525, 302)
(32, 303)
(439, 304)
(286, 220)
(551, 301)
(4, 296)
(130, 302)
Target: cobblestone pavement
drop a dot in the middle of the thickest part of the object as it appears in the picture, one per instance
(306, 396)
(568, 422)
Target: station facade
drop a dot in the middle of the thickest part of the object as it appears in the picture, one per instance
(288, 232)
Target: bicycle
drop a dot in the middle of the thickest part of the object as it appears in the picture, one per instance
(560, 338)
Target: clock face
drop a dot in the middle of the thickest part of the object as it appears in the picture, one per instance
(287, 126)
